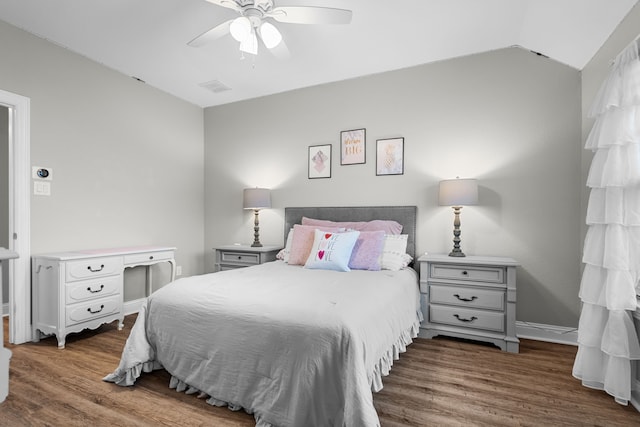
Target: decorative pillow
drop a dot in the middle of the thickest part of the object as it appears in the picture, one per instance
(284, 252)
(367, 250)
(394, 252)
(302, 242)
(388, 226)
(332, 251)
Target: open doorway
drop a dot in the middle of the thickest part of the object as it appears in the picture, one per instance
(17, 110)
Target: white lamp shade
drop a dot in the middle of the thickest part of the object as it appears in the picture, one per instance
(257, 198)
(458, 192)
(240, 28)
(250, 44)
(270, 35)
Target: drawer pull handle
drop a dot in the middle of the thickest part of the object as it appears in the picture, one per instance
(95, 270)
(239, 256)
(465, 320)
(97, 311)
(151, 257)
(95, 292)
(465, 273)
(473, 298)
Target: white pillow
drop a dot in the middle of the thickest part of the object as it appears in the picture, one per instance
(331, 250)
(284, 252)
(394, 252)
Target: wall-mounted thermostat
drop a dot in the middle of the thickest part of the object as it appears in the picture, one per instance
(41, 173)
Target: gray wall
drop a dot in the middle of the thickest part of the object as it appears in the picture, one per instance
(4, 195)
(509, 118)
(127, 158)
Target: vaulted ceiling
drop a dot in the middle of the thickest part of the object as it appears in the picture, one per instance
(147, 39)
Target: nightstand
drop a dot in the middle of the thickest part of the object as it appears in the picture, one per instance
(237, 256)
(471, 297)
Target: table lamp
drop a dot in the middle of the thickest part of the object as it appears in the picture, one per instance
(256, 199)
(457, 193)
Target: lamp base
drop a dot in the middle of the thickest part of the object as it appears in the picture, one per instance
(256, 231)
(457, 253)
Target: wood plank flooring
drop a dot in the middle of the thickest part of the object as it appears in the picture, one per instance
(439, 382)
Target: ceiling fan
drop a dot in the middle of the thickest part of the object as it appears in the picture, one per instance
(253, 22)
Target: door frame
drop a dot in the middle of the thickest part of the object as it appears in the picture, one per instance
(19, 216)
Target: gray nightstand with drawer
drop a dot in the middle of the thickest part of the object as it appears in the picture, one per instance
(471, 297)
(237, 256)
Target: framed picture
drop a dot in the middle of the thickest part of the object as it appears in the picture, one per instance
(320, 161)
(353, 147)
(390, 156)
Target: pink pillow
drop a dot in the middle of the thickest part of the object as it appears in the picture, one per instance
(388, 226)
(367, 250)
(302, 242)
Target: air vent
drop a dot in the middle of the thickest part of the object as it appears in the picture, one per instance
(215, 86)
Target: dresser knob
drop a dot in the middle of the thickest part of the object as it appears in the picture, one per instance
(95, 270)
(465, 299)
(97, 311)
(151, 257)
(94, 292)
(462, 319)
(465, 273)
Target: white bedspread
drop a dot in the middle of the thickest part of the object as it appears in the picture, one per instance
(293, 346)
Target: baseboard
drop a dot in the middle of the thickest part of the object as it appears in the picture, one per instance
(5, 309)
(548, 333)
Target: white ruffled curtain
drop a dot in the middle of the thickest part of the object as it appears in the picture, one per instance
(607, 338)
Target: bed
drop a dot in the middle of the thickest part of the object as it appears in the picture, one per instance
(291, 344)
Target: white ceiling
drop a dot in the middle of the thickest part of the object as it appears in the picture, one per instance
(148, 39)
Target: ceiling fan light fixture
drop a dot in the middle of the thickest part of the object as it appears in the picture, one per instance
(270, 35)
(250, 44)
(240, 28)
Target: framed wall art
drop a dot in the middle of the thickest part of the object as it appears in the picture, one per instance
(353, 147)
(320, 161)
(390, 156)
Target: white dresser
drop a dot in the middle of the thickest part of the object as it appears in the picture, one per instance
(80, 290)
(471, 297)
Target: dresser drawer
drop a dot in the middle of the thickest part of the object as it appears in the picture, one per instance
(142, 258)
(467, 272)
(92, 289)
(83, 312)
(239, 258)
(467, 297)
(94, 267)
(466, 318)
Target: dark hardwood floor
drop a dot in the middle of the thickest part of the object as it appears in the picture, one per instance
(439, 382)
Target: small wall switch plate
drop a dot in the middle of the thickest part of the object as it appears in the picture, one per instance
(41, 173)
(42, 188)
(179, 270)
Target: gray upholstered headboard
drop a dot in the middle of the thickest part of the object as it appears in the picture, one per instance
(405, 215)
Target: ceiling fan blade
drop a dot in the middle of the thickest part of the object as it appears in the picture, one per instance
(310, 15)
(281, 51)
(229, 4)
(211, 35)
